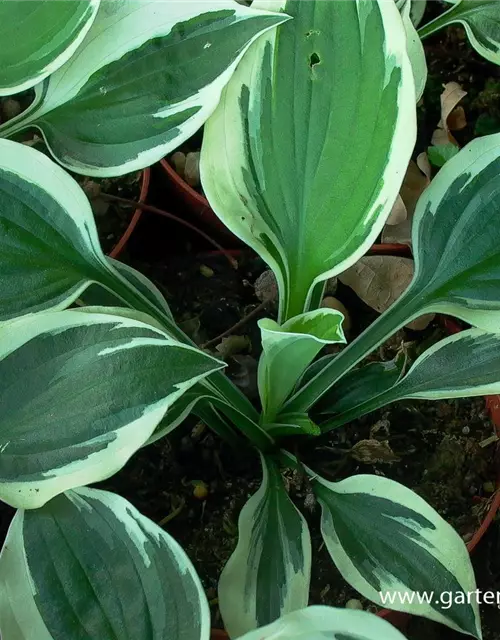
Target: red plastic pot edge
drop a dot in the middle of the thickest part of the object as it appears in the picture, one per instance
(136, 216)
(197, 204)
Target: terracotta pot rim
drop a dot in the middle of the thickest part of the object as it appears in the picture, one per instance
(136, 216)
(182, 184)
(197, 204)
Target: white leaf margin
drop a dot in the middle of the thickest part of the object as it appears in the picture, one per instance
(313, 623)
(129, 25)
(19, 615)
(59, 60)
(129, 438)
(449, 548)
(238, 605)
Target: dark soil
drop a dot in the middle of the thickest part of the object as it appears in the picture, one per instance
(112, 218)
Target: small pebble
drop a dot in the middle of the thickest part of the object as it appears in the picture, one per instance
(353, 603)
(200, 491)
(266, 287)
(206, 271)
(466, 430)
(192, 169)
(489, 487)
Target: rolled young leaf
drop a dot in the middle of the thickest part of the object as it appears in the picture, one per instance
(288, 349)
(481, 20)
(80, 393)
(41, 35)
(385, 539)
(456, 238)
(145, 78)
(268, 574)
(304, 156)
(89, 566)
(319, 623)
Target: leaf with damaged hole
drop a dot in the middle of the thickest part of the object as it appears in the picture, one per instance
(298, 64)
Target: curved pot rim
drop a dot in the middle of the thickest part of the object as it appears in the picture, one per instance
(136, 216)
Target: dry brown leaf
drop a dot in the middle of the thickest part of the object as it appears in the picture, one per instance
(371, 451)
(450, 97)
(398, 213)
(380, 280)
(413, 185)
(457, 120)
(424, 165)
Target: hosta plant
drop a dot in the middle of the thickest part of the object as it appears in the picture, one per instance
(303, 157)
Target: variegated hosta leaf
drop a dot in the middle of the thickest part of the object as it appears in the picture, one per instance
(456, 239)
(462, 365)
(49, 248)
(385, 539)
(99, 296)
(80, 393)
(415, 49)
(145, 78)
(481, 20)
(179, 411)
(361, 385)
(38, 37)
(322, 623)
(89, 566)
(305, 154)
(288, 349)
(456, 246)
(268, 574)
